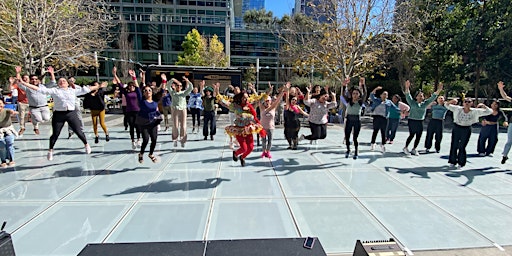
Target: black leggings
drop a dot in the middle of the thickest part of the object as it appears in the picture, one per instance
(149, 131)
(379, 124)
(131, 116)
(415, 129)
(196, 114)
(353, 122)
(58, 120)
(318, 131)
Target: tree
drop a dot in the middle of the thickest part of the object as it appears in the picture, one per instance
(340, 39)
(37, 33)
(201, 51)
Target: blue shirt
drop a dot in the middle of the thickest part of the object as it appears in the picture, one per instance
(439, 112)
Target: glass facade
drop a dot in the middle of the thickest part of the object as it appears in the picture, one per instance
(154, 27)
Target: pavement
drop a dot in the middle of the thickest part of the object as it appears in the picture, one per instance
(197, 192)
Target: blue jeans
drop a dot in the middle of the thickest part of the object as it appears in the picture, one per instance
(506, 149)
(7, 148)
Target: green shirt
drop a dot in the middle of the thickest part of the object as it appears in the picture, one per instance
(179, 99)
(353, 109)
(418, 110)
(209, 103)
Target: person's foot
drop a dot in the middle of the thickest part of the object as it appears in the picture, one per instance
(107, 138)
(49, 156)
(242, 161)
(302, 137)
(347, 154)
(12, 163)
(211, 137)
(372, 147)
(166, 128)
(264, 154)
(22, 130)
(153, 158)
(489, 154)
(175, 144)
(193, 129)
(481, 154)
(504, 159)
(427, 150)
(390, 142)
(139, 143)
(383, 148)
(96, 139)
(182, 144)
(415, 152)
(70, 134)
(87, 149)
(206, 138)
(126, 128)
(140, 158)
(355, 156)
(235, 157)
(36, 131)
(406, 151)
(134, 145)
(3, 165)
(452, 165)
(269, 155)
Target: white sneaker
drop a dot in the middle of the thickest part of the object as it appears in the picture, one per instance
(50, 155)
(383, 148)
(134, 145)
(139, 143)
(415, 152)
(372, 147)
(459, 167)
(182, 144)
(158, 128)
(406, 151)
(302, 137)
(87, 149)
(175, 143)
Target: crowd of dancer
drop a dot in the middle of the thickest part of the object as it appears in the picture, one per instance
(146, 106)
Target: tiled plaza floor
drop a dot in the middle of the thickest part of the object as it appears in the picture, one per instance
(199, 193)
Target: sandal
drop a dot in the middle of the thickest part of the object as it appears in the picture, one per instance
(140, 158)
(153, 158)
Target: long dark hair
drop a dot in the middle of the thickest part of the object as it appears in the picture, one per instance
(237, 99)
(349, 98)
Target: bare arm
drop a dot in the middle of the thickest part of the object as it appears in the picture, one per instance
(501, 88)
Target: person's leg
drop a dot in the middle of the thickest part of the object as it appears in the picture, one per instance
(392, 126)
(206, 122)
(357, 130)
(175, 123)
(23, 111)
(213, 124)
(375, 128)
(323, 131)
(94, 116)
(454, 145)
(125, 117)
(419, 132)
(166, 112)
(482, 139)
(439, 134)
(270, 135)
(58, 121)
(131, 123)
(75, 124)
(183, 128)
(9, 146)
(3, 150)
(242, 145)
(493, 140)
(465, 136)
(430, 134)
(46, 114)
(411, 133)
(382, 127)
(508, 145)
(102, 121)
(36, 117)
(145, 138)
(348, 131)
(264, 146)
(153, 134)
(249, 141)
(315, 131)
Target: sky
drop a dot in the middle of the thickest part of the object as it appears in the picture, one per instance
(280, 7)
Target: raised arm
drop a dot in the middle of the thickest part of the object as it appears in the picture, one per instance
(201, 87)
(439, 89)
(278, 99)
(134, 77)
(501, 88)
(407, 87)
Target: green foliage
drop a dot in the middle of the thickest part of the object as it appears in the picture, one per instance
(201, 51)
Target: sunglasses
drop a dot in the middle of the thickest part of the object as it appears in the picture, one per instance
(468, 101)
(147, 91)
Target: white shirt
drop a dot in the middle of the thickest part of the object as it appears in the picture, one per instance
(65, 99)
(467, 119)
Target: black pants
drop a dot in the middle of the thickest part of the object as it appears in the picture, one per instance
(125, 117)
(379, 124)
(434, 128)
(415, 129)
(209, 121)
(196, 114)
(58, 120)
(149, 131)
(318, 131)
(353, 123)
(131, 116)
(460, 139)
(490, 133)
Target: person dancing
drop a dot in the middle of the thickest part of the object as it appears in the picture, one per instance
(209, 99)
(245, 125)
(148, 117)
(463, 117)
(436, 125)
(292, 112)
(64, 98)
(195, 106)
(132, 106)
(7, 135)
(179, 108)
(508, 144)
(417, 112)
(380, 110)
(268, 115)
(319, 106)
(354, 98)
(95, 101)
(490, 129)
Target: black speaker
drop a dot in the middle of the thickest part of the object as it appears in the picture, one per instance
(248, 247)
(376, 248)
(6, 247)
(266, 247)
(189, 248)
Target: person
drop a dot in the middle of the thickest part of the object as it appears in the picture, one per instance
(380, 109)
(78, 108)
(209, 98)
(417, 112)
(37, 101)
(394, 116)
(319, 106)
(132, 107)
(7, 135)
(292, 112)
(95, 101)
(148, 118)
(166, 107)
(508, 144)
(14, 93)
(64, 98)
(179, 109)
(23, 108)
(353, 109)
(490, 129)
(463, 117)
(436, 125)
(195, 105)
(230, 92)
(268, 115)
(245, 125)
